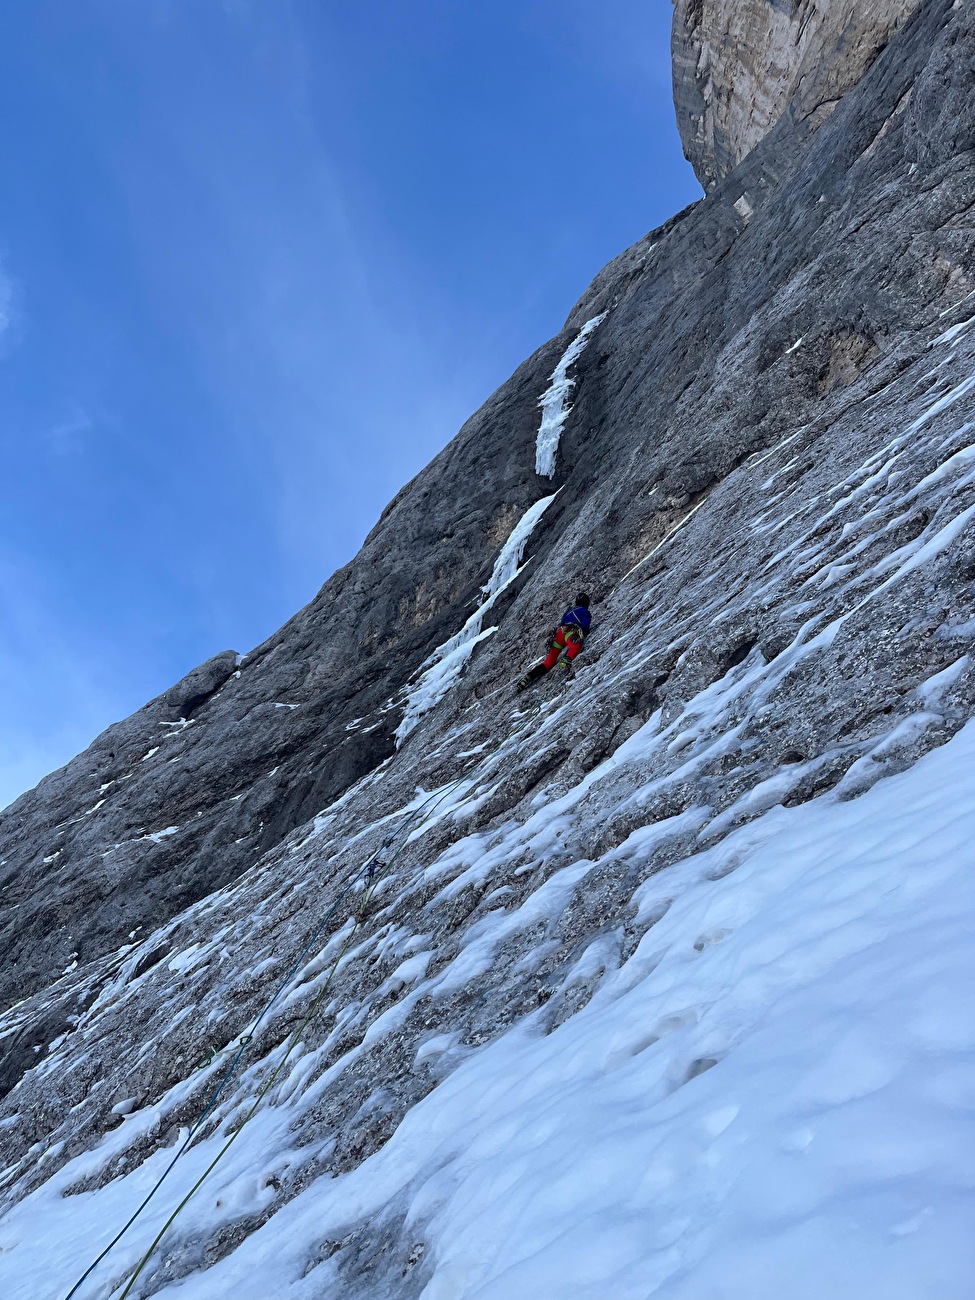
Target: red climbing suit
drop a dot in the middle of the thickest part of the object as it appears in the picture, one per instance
(570, 637)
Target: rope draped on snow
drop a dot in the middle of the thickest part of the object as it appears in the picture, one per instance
(371, 873)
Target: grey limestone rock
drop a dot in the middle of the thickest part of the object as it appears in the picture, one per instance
(740, 64)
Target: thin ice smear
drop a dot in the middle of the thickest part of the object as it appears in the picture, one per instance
(555, 401)
(446, 663)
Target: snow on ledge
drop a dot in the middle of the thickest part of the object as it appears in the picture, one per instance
(445, 665)
(555, 401)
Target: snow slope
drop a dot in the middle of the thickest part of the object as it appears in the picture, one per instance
(772, 1096)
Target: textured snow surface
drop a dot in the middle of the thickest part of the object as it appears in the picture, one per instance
(555, 401)
(773, 1097)
(447, 662)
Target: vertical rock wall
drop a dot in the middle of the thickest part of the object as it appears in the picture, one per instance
(739, 64)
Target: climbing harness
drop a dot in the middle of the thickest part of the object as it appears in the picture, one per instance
(371, 873)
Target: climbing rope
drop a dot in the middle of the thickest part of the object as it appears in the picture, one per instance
(292, 1042)
(372, 871)
(243, 1043)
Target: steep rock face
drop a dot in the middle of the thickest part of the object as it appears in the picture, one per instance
(740, 64)
(766, 481)
(190, 791)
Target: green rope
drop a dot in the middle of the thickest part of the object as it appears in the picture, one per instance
(292, 1043)
(358, 917)
(556, 675)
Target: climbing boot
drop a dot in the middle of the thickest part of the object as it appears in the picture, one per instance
(532, 675)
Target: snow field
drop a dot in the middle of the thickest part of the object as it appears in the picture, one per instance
(773, 1096)
(769, 1098)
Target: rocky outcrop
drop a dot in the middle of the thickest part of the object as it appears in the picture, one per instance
(740, 64)
(751, 313)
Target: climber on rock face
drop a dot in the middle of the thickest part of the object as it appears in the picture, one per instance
(567, 639)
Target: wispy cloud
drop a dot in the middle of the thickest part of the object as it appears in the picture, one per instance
(303, 321)
(8, 298)
(59, 685)
(65, 435)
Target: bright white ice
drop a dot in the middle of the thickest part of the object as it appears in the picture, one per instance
(446, 664)
(555, 401)
(774, 1097)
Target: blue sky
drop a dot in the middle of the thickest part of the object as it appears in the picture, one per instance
(259, 259)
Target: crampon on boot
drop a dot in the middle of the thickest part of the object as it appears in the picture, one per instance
(531, 676)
